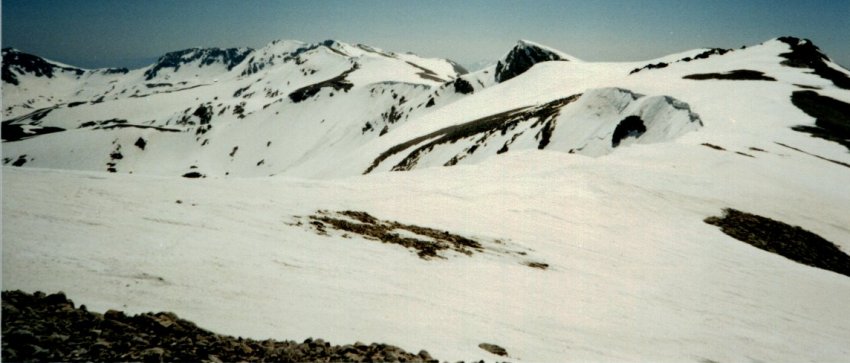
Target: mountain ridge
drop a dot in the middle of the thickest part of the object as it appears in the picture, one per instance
(211, 89)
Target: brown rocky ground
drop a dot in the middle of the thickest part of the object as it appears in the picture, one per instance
(39, 327)
(791, 242)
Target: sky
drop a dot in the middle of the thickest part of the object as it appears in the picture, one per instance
(125, 33)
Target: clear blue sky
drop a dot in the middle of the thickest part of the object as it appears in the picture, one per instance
(101, 33)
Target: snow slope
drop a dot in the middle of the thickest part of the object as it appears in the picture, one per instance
(634, 272)
(602, 172)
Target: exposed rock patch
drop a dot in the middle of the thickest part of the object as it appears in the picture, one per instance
(736, 75)
(16, 132)
(804, 54)
(427, 242)
(493, 348)
(704, 55)
(521, 58)
(15, 61)
(228, 57)
(791, 242)
(193, 175)
(498, 123)
(715, 147)
(620, 114)
(20, 161)
(337, 83)
(425, 73)
(39, 327)
(462, 86)
(27, 126)
(832, 117)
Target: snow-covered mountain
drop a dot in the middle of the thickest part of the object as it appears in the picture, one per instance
(335, 109)
(220, 111)
(559, 208)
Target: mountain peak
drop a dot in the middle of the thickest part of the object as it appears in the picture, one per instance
(523, 56)
(229, 57)
(24, 63)
(805, 54)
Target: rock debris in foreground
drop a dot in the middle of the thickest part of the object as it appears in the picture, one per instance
(39, 327)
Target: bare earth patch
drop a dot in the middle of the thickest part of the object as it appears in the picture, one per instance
(736, 75)
(791, 242)
(428, 243)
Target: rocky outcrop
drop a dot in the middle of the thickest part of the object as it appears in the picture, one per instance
(522, 57)
(39, 327)
(736, 75)
(15, 61)
(791, 242)
(703, 55)
(207, 56)
(338, 83)
(805, 54)
(831, 116)
(617, 117)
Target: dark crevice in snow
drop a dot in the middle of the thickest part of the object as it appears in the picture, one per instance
(631, 126)
(791, 242)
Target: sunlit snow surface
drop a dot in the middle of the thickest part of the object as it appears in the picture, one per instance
(634, 273)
